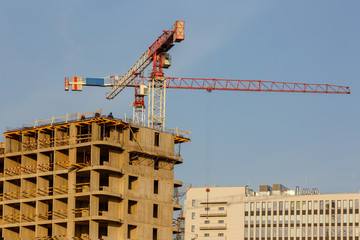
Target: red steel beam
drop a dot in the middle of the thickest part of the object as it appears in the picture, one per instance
(246, 85)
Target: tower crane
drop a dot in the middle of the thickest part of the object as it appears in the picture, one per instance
(156, 84)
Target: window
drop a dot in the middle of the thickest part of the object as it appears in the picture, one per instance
(221, 208)
(155, 210)
(155, 233)
(206, 235)
(269, 206)
(192, 228)
(193, 215)
(221, 221)
(315, 205)
(132, 182)
(321, 205)
(246, 207)
(133, 158)
(132, 207)
(345, 204)
(275, 206)
(257, 206)
(131, 233)
(156, 186)
(133, 134)
(286, 205)
(220, 234)
(207, 209)
(280, 206)
(157, 139)
(207, 222)
(327, 204)
(156, 165)
(193, 203)
(263, 206)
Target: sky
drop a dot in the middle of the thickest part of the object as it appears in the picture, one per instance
(238, 138)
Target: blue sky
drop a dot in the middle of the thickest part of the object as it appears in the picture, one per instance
(239, 138)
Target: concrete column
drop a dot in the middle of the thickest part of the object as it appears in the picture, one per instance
(94, 230)
(95, 155)
(95, 131)
(71, 187)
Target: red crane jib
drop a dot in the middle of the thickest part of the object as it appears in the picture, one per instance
(246, 85)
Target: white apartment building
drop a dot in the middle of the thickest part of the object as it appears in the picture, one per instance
(231, 213)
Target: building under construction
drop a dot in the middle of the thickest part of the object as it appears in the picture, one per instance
(89, 178)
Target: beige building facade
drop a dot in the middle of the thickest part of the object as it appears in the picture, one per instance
(274, 212)
(92, 178)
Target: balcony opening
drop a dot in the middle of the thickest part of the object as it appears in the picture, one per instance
(133, 158)
(81, 230)
(82, 207)
(134, 134)
(132, 207)
(104, 181)
(103, 207)
(155, 210)
(82, 182)
(84, 133)
(83, 156)
(131, 233)
(133, 183)
(103, 230)
(104, 156)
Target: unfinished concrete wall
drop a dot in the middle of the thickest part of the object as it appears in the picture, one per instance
(91, 179)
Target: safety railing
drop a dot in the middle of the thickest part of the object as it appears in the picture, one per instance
(37, 192)
(82, 187)
(67, 118)
(81, 212)
(29, 169)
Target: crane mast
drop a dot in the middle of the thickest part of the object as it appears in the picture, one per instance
(157, 92)
(156, 84)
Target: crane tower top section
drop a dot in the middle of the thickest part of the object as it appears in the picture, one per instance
(161, 45)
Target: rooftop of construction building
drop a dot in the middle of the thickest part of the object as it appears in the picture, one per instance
(87, 118)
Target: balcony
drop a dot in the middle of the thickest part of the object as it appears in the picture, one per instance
(222, 213)
(213, 226)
